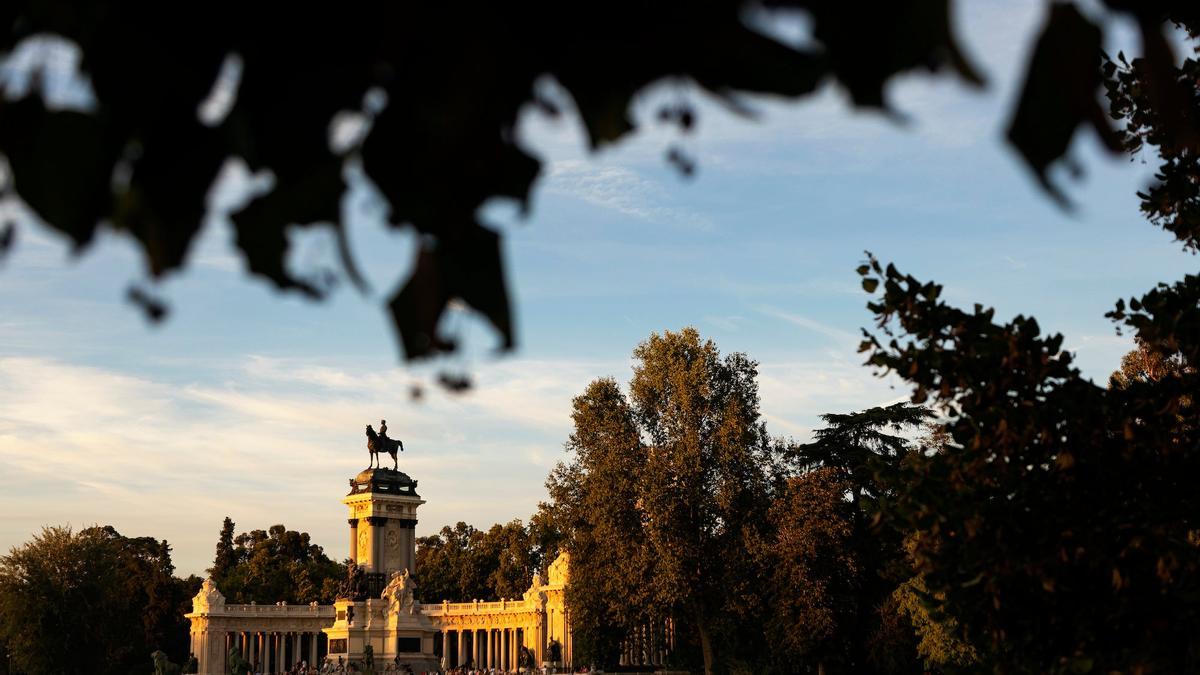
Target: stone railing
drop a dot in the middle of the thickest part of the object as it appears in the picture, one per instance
(295, 611)
(458, 608)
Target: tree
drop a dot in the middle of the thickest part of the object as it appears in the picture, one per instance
(1055, 523)
(226, 556)
(111, 599)
(436, 94)
(665, 490)
(273, 565)
(815, 577)
(1145, 364)
(594, 497)
(834, 572)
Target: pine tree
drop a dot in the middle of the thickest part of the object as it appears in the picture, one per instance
(226, 556)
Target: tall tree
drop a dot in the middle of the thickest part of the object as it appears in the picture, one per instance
(664, 493)
(227, 555)
(841, 576)
(595, 497)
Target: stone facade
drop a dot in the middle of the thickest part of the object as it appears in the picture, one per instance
(382, 507)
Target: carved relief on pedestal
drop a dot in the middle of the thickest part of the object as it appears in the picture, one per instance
(364, 544)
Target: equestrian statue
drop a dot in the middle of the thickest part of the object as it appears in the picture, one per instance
(379, 442)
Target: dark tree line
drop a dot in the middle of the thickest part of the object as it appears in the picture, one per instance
(462, 563)
(1040, 524)
(91, 601)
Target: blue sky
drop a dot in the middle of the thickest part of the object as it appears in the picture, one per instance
(250, 404)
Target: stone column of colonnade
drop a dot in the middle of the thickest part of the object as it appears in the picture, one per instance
(476, 656)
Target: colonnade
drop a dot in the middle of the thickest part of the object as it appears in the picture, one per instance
(488, 647)
(274, 651)
(649, 644)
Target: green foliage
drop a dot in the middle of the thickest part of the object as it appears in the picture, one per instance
(663, 493)
(1055, 524)
(440, 93)
(111, 599)
(594, 497)
(940, 644)
(267, 566)
(462, 563)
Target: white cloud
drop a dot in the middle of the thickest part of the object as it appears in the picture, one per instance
(266, 440)
(622, 190)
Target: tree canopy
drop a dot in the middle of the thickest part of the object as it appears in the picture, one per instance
(278, 564)
(110, 600)
(464, 563)
(430, 97)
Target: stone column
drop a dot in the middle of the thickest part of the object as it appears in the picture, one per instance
(446, 647)
(279, 664)
(512, 649)
(488, 661)
(353, 539)
(312, 649)
(462, 647)
(478, 653)
(408, 544)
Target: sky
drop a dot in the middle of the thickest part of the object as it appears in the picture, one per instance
(250, 404)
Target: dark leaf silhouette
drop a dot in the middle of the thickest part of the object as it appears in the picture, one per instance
(439, 91)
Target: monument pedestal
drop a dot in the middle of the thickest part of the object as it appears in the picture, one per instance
(392, 628)
(380, 611)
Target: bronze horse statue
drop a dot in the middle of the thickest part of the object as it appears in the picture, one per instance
(377, 443)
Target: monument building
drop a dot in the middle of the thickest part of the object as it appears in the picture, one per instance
(376, 617)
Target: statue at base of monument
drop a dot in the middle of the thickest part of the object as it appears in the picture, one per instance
(377, 443)
(369, 658)
(162, 666)
(237, 664)
(399, 593)
(355, 585)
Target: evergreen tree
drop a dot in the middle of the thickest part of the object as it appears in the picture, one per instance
(226, 556)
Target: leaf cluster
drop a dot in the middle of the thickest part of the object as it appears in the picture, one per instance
(422, 101)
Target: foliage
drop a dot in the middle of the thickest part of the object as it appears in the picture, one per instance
(435, 95)
(594, 498)
(833, 571)
(112, 599)
(463, 563)
(939, 644)
(816, 574)
(665, 490)
(1158, 100)
(268, 566)
(1053, 523)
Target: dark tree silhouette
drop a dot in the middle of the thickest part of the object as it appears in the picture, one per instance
(439, 90)
(1057, 524)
